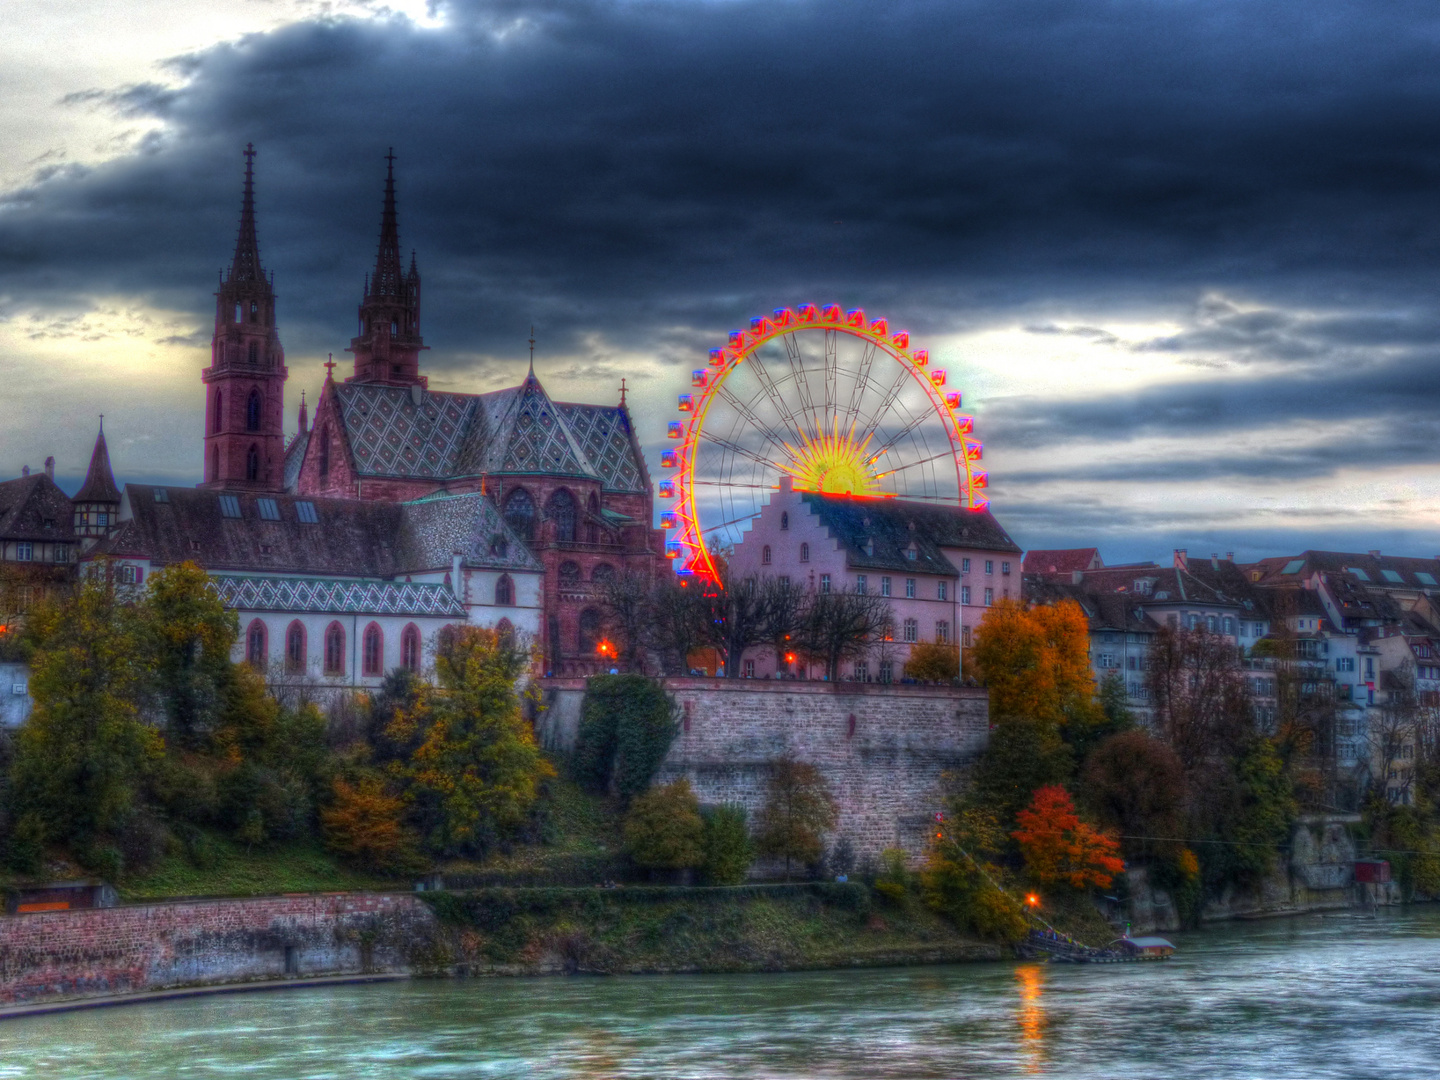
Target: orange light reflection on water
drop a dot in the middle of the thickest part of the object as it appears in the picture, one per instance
(1031, 1017)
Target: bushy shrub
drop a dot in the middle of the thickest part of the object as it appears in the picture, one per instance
(664, 829)
(728, 850)
(627, 723)
(895, 879)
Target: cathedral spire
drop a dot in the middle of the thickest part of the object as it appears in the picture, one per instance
(388, 279)
(246, 264)
(387, 349)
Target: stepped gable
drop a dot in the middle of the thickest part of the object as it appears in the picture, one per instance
(876, 533)
(404, 431)
(34, 508)
(605, 437)
(438, 526)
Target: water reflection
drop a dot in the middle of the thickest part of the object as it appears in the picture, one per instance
(1031, 980)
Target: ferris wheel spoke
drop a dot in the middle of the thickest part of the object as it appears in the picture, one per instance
(889, 444)
(773, 392)
(802, 383)
(915, 464)
(862, 382)
(750, 415)
(873, 420)
(736, 448)
(832, 367)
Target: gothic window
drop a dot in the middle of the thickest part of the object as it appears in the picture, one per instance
(295, 648)
(238, 316)
(394, 327)
(589, 631)
(602, 573)
(410, 648)
(335, 649)
(219, 410)
(372, 651)
(505, 591)
(804, 552)
(592, 514)
(254, 353)
(255, 650)
(569, 573)
(254, 312)
(324, 451)
(252, 463)
(252, 411)
(520, 514)
(561, 510)
(785, 520)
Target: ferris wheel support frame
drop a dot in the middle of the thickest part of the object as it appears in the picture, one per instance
(688, 545)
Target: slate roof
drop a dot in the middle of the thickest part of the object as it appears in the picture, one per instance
(1103, 611)
(350, 538)
(876, 533)
(1404, 568)
(409, 432)
(33, 508)
(337, 597)
(1061, 561)
(99, 483)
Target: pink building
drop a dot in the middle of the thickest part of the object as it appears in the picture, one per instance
(940, 567)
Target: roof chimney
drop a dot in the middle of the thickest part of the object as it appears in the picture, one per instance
(24, 470)
(1229, 556)
(1180, 560)
(1214, 560)
(1375, 554)
(50, 467)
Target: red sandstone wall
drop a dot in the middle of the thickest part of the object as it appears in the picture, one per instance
(67, 954)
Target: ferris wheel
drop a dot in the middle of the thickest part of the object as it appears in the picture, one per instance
(836, 401)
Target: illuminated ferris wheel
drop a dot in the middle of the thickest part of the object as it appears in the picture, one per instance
(836, 401)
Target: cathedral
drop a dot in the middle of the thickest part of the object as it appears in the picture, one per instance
(395, 510)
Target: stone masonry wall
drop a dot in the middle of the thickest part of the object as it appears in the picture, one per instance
(882, 748)
(70, 954)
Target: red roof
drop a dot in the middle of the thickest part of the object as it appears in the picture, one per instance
(1062, 561)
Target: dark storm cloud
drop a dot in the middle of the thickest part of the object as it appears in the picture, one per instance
(660, 171)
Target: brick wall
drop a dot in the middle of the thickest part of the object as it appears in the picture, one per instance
(882, 749)
(66, 954)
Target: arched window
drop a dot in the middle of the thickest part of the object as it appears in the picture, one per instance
(324, 451)
(238, 315)
(785, 519)
(335, 649)
(254, 353)
(520, 514)
(372, 651)
(295, 648)
(589, 631)
(219, 410)
(592, 515)
(410, 648)
(505, 631)
(252, 463)
(394, 327)
(505, 591)
(254, 311)
(804, 552)
(256, 653)
(602, 573)
(252, 409)
(561, 510)
(569, 573)
(765, 554)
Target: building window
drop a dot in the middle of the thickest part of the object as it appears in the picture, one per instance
(589, 631)
(1229, 625)
(942, 590)
(569, 573)
(561, 510)
(504, 592)
(305, 513)
(255, 649)
(252, 463)
(24, 552)
(964, 566)
(964, 594)
(910, 588)
(335, 649)
(295, 648)
(1004, 568)
(912, 552)
(804, 552)
(911, 630)
(862, 584)
(942, 632)
(765, 555)
(749, 669)
(884, 586)
(410, 648)
(989, 597)
(862, 671)
(1212, 624)
(965, 635)
(252, 409)
(372, 651)
(131, 575)
(989, 566)
(520, 514)
(269, 509)
(1106, 660)
(785, 520)
(887, 631)
(824, 582)
(61, 553)
(229, 506)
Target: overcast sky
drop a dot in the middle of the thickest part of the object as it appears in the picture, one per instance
(1183, 258)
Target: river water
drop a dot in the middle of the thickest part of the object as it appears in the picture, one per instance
(1308, 997)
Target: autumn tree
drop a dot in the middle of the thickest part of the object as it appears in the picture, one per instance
(933, 662)
(797, 813)
(1200, 695)
(365, 824)
(1035, 662)
(1135, 783)
(1059, 848)
(190, 634)
(962, 875)
(664, 829)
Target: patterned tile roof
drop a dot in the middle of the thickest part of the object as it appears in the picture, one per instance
(538, 439)
(404, 431)
(294, 458)
(439, 525)
(603, 432)
(337, 597)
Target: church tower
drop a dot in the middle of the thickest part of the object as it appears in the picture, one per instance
(245, 382)
(388, 348)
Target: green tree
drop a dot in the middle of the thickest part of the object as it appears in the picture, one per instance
(1250, 807)
(1022, 756)
(664, 829)
(962, 875)
(728, 848)
(627, 723)
(189, 635)
(797, 814)
(84, 753)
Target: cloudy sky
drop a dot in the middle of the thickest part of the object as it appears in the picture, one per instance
(1183, 257)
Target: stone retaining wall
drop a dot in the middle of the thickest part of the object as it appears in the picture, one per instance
(69, 954)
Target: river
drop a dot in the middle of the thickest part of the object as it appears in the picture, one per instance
(1308, 997)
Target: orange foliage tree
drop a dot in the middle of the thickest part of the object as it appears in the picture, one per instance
(1036, 663)
(365, 824)
(1059, 847)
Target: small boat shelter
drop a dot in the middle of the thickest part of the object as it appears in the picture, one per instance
(1144, 948)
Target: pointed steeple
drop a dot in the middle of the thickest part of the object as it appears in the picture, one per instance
(388, 278)
(388, 347)
(246, 264)
(99, 486)
(304, 418)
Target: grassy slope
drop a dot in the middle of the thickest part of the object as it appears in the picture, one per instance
(258, 872)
